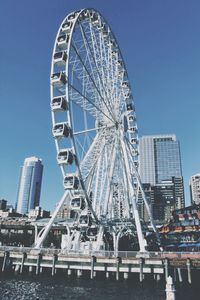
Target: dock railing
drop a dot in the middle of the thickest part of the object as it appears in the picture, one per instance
(102, 253)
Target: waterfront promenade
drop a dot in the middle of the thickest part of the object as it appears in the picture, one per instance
(120, 265)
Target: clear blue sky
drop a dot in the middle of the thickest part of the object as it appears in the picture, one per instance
(160, 42)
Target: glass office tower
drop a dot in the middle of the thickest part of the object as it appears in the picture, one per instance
(29, 185)
(160, 167)
(159, 158)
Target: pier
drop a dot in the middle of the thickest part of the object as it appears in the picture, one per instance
(120, 265)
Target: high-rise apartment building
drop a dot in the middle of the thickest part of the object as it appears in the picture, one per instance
(160, 167)
(195, 189)
(29, 185)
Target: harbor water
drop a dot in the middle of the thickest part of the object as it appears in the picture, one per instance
(45, 287)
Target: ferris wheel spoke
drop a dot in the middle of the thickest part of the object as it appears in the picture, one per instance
(92, 80)
(106, 182)
(126, 184)
(92, 155)
(93, 104)
(92, 53)
(89, 130)
(103, 65)
(106, 55)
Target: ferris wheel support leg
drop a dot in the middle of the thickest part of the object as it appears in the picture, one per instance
(110, 175)
(114, 242)
(141, 239)
(40, 239)
(100, 238)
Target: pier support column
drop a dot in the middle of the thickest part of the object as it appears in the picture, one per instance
(6, 257)
(69, 272)
(93, 260)
(170, 289)
(141, 269)
(179, 275)
(189, 270)
(79, 273)
(22, 262)
(107, 275)
(30, 269)
(37, 271)
(17, 268)
(55, 257)
(125, 275)
(118, 261)
(166, 264)
(158, 277)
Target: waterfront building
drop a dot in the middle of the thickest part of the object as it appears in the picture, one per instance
(195, 189)
(182, 232)
(160, 170)
(38, 213)
(29, 185)
(65, 212)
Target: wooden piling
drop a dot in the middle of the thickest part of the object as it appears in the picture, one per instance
(179, 275)
(22, 262)
(188, 263)
(166, 265)
(6, 256)
(93, 259)
(37, 271)
(118, 260)
(55, 257)
(141, 269)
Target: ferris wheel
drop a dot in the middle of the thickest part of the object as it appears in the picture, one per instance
(95, 132)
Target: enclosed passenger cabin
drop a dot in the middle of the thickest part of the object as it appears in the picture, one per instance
(135, 152)
(84, 15)
(58, 79)
(94, 18)
(131, 118)
(65, 157)
(59, 104)
(85, 221)
(60, 58)
(119, 62)
(132, 129)
(121, 73)
(111, 43)
(66, 27)
(100, 25)
(78, 203)
(72, 16)
(129, 107)
(125, 84)
(104, 31)
(127, 95)
(92, 232)
(61, 130)
(114, 53)
(134, 141)
(62, 41)
(71, 182)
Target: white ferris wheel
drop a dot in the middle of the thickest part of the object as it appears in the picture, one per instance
(96, 136)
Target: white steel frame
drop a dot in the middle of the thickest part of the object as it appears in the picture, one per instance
(103, 131)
